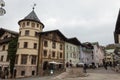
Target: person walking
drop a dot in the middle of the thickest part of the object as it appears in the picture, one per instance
(84, 68)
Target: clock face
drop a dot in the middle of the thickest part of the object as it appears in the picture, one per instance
(2, 11)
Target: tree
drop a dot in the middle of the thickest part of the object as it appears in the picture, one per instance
(12, 49)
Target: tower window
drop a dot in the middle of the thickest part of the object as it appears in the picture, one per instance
(28, 23)
(25, 44)
(23, 59)
(33, 24)
(26, 32)
(36, 34)
(23, 25)
(35, 45)
(33, 60)
(37, 25)
(20, 33)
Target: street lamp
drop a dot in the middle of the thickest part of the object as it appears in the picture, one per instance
(2, 10)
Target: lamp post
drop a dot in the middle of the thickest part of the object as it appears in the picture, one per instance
(2, 10)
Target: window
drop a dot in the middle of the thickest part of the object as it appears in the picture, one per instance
(61, 47)
(25, 44)
(33, 73)
(22, 73)
(36, 34)
(33, 24)
(54, 45)
(35, 46)
(45, 43)
(23, 25)
(26, 32)
(18, 45)
(60, 55)
(16, 59)
(20, 33)
(6, 37)
(1, 58)
(37, 25)
(53, 54)
(28, 23)
(45, 53)
(33, 60)
(3, 47)
(7, 59)
(23, 59)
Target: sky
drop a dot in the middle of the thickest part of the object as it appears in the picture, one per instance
(88, 20)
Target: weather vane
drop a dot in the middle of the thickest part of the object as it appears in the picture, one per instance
(34, 6)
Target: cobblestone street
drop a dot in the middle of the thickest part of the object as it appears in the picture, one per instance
(97, 74)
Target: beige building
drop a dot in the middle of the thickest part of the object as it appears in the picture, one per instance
(51, 50)
(27, 53)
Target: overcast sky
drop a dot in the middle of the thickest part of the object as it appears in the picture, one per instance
(88, 20)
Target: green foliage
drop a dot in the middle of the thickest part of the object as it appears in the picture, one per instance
(12, 49)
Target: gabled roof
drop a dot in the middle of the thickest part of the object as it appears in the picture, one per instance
(57, 31)
(2, 31)
(32, 17)
(74, 40)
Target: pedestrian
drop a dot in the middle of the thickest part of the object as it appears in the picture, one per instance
(105, 65)
(84, 68)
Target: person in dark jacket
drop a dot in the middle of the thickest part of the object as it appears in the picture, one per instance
(84, 68)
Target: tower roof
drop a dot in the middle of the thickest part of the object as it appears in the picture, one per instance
(32, 17)
(117, 28)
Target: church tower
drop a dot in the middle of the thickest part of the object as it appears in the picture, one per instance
(117, 30)
(27, 53)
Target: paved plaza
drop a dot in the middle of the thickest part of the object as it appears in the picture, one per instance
(93, 74)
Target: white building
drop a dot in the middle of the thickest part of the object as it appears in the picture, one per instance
(72, 51)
